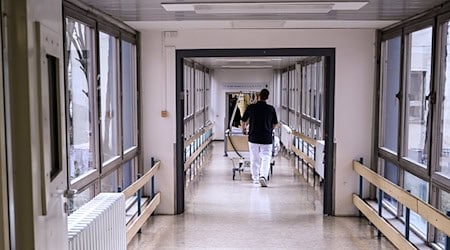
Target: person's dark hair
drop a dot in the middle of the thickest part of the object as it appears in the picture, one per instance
(264, 94)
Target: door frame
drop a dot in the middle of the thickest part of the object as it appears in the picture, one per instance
(4, 211)
(329, 55)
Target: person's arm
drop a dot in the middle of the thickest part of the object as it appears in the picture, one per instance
(275, 123)
(244, 127)
(244, 120)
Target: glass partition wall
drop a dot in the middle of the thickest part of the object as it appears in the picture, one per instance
(302, 86)
(413, 124)
(197, 96)
(197, 101)
(102, 105)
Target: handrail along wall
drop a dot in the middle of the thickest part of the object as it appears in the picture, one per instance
(135, 189)
(304, 153)
(435, 217)
(195, 150)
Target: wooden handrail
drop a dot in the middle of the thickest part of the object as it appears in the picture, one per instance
(134, 227)
(305, 138)
(197, 135)
(425, 210)
(139, 183)
(195, 155)
(389, 231)
(308, 159)
(305, 157)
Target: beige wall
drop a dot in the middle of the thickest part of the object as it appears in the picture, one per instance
(353, 99)
(159, 133)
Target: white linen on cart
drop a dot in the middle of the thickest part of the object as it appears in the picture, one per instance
(236, 146)
(286, 136)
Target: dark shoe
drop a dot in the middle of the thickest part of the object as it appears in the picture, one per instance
(263, 181)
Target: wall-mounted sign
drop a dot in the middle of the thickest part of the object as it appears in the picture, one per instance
(245, 86)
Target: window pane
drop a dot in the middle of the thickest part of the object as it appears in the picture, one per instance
(81, 198)
(308, 90)
(109, 183)
(390, 173)
(186, 92)
(445, 121)
(129, 100)
(445, 207)
(208, 96)
(313, 90)
(80, 121)
(418, 83)
(284, 97)
(418, 188)
(108, 97)
(128, 173)
(390, 87)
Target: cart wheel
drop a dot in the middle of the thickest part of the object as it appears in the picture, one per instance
(234, 174)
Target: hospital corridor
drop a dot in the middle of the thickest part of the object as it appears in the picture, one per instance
(131, 124)
(222, 213)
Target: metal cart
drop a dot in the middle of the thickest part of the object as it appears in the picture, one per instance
(236, 144)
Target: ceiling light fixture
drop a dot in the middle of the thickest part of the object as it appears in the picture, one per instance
(246, 59)
(262, 7)
(246, 66)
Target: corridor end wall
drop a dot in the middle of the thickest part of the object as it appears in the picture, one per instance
(354, 92)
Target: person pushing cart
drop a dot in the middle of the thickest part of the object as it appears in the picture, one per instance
(262, 119)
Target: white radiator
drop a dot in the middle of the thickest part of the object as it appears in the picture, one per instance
(99, 224)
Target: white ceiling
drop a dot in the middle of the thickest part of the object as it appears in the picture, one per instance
(260, 24)
(150, 15)
(372, 11)
(247, 62)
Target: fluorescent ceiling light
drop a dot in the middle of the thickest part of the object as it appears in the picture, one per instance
(262, 7)
(246, 66)
(249, 59)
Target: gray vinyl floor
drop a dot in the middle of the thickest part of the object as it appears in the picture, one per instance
(226, 214)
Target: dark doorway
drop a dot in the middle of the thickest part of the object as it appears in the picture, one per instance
(235, 119)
